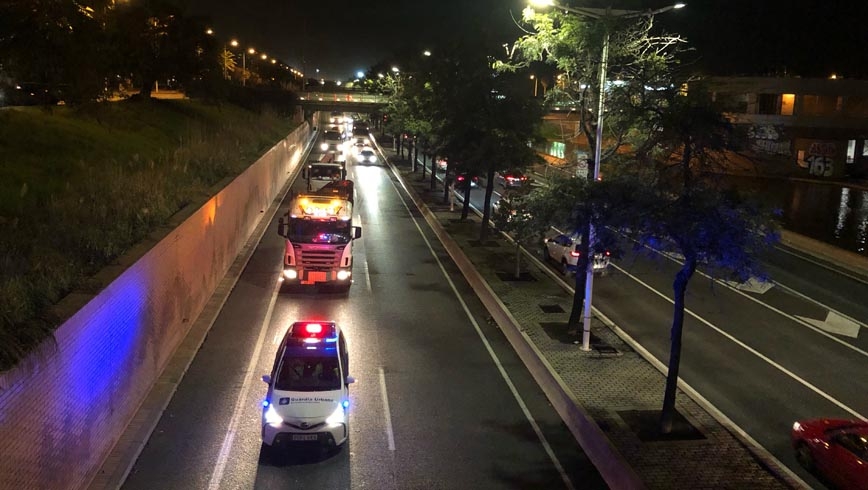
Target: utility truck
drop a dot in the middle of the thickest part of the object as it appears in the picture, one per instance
(319, 233)
(329, 168)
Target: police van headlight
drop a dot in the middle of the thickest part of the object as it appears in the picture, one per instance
(339, 416)
(343, 275)
(272, 417)
(290, 274)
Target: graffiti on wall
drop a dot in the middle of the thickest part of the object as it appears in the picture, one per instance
(819, 159)
(768, 139)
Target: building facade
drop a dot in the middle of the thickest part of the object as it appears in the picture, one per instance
(813, 128)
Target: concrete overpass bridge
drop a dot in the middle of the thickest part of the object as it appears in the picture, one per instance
(341, 101)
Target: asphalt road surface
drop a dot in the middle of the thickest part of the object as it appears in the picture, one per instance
(440, 401)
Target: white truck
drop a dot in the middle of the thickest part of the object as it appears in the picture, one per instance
(319, 234)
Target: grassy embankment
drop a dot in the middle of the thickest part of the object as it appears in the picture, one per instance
(78, 188)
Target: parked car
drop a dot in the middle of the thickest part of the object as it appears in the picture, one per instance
(565, 250)
(834, 449)
(511, 179)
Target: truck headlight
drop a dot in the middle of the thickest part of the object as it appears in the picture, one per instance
(324, 146)
(339, 416)
(343, 275)
(290, 273)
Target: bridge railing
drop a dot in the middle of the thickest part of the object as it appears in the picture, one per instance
(343, 97)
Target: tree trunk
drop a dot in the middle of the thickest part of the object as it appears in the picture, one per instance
(581, 274)
(465, 208)
(486, 205)
(434, 177)
(517, 260)
(415, 155)
(679, 288)
(425, 157)
(424, 170)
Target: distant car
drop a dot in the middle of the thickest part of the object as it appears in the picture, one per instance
(366, 156)
(360, 130)
(834, 449)
(333, 135)
(511, 179)
(463, 179)
(442, 164)
(337, 117)
(565, 250)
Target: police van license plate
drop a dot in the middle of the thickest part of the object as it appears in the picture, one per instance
(304, 437)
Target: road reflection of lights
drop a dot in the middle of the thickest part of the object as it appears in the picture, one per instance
(843, 211)
(369, 178)
(862, 222)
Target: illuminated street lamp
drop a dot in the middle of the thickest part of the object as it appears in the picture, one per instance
(535, 84)
(606, 14)
(234, 43)
(426, 53)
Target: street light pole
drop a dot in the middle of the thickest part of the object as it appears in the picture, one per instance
(599, 14)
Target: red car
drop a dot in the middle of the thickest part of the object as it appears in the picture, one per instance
(835, 449)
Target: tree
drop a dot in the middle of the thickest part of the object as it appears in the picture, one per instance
(54, 49)
(524, 216)
(682, 208)
(637, 58)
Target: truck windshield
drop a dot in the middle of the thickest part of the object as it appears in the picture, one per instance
(313, 231)
(308, 374)
(325, 172)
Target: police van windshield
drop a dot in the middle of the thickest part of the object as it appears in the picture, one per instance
(308, 374)
(313, 231)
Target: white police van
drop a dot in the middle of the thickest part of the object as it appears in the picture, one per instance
(308, 397)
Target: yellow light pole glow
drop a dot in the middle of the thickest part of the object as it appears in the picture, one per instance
(607, 14)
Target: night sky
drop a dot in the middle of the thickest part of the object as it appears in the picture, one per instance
(730, 37)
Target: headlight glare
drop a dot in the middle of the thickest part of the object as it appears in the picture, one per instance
(272, 417)
(337, 417)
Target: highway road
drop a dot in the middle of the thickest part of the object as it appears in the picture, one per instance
(764, 357)
(440, 401)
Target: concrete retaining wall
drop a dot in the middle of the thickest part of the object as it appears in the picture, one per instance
(63, 408)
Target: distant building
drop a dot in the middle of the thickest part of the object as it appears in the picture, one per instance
(797, 126)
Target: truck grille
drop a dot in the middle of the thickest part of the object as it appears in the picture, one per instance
(320, 258)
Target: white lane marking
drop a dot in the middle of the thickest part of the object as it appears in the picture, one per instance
(546, 446)
(778, 311)
(753, 351)
(390, 435)
(834, 323)
(367, 275)
(223, 457)
(821, 305)
(844, 273)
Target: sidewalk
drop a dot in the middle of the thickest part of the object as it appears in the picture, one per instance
(612, 394)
